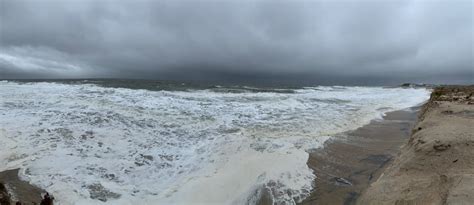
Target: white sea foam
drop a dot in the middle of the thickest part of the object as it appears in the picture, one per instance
(88, 144)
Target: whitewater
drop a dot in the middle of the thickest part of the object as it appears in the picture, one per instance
(89, 144)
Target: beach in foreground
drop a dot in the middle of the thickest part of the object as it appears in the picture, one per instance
(348, 163)
(436, 166)
(367, 166)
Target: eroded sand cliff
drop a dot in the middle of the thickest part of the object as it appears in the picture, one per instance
(436, 166)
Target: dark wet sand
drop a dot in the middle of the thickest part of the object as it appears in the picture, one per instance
(19, 190)
(348, 164)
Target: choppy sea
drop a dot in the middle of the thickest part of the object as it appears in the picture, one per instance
(151, 142)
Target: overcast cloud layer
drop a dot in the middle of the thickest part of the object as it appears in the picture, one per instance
(326, 42)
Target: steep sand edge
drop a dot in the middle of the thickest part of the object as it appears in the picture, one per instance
(436, 166)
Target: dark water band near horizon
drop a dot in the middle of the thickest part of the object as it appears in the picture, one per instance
(170, 85)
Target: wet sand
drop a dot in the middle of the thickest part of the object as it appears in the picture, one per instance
(350, 162)
(436, 166)
(13, 189)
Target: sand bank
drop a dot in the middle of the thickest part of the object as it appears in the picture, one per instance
(436, 166)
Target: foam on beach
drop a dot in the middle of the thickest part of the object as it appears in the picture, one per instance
(93, 145)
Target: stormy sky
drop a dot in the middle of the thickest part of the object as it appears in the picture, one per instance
(325, 42)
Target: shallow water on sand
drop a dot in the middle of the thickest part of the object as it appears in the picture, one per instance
(88, 144)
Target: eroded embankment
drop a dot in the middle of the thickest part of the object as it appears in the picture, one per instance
(436, 166)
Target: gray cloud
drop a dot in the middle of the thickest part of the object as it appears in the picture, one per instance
(331, 42)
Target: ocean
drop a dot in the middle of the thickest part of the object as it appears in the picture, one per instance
(154, 142)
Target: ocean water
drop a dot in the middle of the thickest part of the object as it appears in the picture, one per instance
(112, 143)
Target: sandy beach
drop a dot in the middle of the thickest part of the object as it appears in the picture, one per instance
(436, 166)
(421, 155)
(347, 164)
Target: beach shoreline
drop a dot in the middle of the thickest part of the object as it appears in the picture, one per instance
(347, 163)
(329, 189)
(348, 177)
(436, 166)
(345, 166)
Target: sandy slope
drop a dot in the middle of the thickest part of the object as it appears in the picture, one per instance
(436, 166)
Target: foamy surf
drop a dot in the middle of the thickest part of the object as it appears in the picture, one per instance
(93, 145)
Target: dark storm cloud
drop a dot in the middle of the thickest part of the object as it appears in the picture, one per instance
(280, 41)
